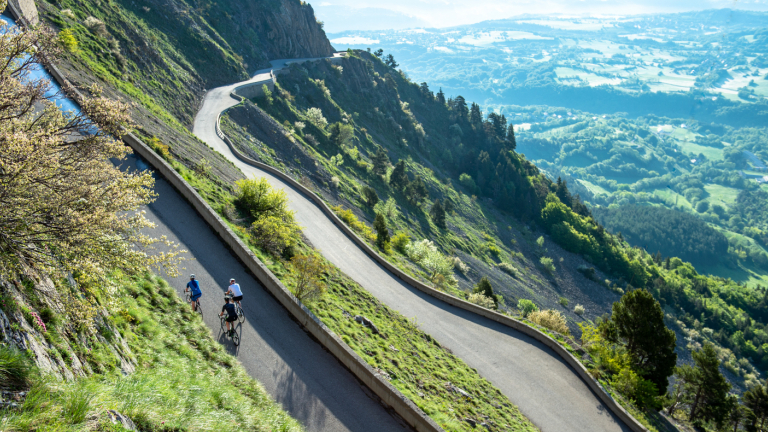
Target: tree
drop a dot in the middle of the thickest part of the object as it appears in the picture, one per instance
(485, 288)
(756, 399)
(65, 206)
(378, 53)
(267, 94)
(424, 88)
(440, 96)
(707, 388)
(476, 116)
(307, 270)
(342, 133)
(461, 106)
(416, 191)
(389, 60)
(702, 206)
(382, 232)
(399, 179)
(438, 214)
(640, 326)
(380, 161)
(511, 141)
(370, 197)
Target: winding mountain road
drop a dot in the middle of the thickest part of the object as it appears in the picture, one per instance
(309, 382)
(531, 375)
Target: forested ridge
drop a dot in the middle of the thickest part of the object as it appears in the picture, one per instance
(670, 232)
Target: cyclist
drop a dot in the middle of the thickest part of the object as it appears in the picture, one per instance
(194, 288)
(235, 291)
(229, 309)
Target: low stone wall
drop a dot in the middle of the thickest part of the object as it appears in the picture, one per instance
(255, 89)
(617, 409)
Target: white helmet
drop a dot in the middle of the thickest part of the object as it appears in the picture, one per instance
(191, 276)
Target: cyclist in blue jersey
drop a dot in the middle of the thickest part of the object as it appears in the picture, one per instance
(194, 289)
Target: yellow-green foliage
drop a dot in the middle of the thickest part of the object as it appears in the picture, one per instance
(358, 226)
(163, 150)
(550, 319)
(274, 228)
(68, 40)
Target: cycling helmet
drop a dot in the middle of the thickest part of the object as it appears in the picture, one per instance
(191, 276)
(231, 279)
(227, 297)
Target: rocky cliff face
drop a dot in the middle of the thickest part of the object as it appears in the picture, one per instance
(32, 318)
(288, 28)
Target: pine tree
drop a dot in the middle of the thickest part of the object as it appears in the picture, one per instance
(640, 325)
(417, 191)
(511, 141)
(476, 116)
(380, 161)
(485, 288)
(441, 96)
(370, 196)
(561, 190)
(438, 214)
(708, 388)
(390, 61)
(382, 232)
(756, 399)
(461, 106)
(399, 179)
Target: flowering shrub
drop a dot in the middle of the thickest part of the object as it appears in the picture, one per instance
(425, 254)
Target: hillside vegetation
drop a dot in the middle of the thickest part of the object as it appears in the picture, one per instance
(491, 203)
(666, 231)
(359, 149)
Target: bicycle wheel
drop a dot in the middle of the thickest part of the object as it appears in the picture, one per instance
(189, 297)
(223, 324)
(235, 338)
(240, 314)
(199, 309)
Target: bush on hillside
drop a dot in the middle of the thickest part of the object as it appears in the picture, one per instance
(481, 300)
(400, 242)
(307, 269)
(550, 319)
(315, 116)
(526, 307)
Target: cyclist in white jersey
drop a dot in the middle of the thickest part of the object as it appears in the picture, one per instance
(235, 291)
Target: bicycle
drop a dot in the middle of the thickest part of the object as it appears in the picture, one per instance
(197, 308)
(235, 337)
(240, 313)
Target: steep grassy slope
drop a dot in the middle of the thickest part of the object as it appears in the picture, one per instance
(177, 377)
(492, 242)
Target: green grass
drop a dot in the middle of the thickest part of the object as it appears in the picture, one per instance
(184, 380)
(721, 194)
(595, 189)
(693, 149)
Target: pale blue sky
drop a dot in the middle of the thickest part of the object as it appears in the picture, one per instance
(444, 13)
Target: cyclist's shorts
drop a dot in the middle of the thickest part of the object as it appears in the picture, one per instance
(196, 296)
(232, 318)
(238, 298)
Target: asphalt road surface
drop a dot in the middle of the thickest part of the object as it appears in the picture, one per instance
(296, 371)
(531, 375)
